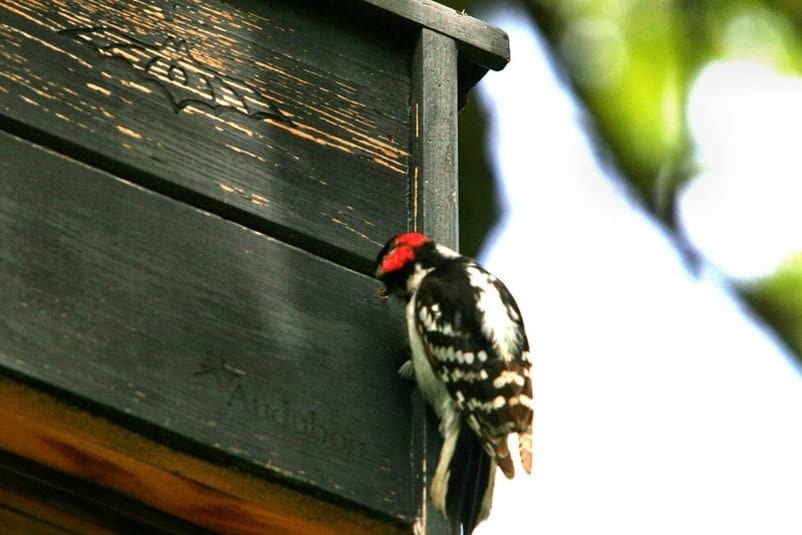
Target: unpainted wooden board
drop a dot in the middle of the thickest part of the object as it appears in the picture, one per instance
(73, 457)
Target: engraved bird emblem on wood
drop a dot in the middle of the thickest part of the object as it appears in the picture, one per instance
(184, 80)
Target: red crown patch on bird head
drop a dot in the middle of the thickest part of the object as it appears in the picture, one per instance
(400, 251)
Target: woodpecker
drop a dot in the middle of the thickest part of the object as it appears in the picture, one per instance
(470, 360)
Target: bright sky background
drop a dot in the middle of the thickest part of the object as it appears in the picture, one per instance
(659, 406)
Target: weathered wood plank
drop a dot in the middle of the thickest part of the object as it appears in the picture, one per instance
(435, 184)
(45, 498)
(476, 40)
(286, 116)
(218, 337)
(434, 212)
(16, 522)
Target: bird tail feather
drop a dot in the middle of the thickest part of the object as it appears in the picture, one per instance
(470, 484)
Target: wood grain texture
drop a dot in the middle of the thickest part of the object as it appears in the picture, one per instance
(14, 521)
(290, 117)
(435, 185)
(223, 340)
(43, 497)
(434, 212)
(75, 442)
(478, 42)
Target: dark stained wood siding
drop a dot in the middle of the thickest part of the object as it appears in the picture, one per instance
(192, 193)
(434, 210)
(201, 328)
(292, 119)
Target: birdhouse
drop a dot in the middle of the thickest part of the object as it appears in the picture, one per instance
(193, 194)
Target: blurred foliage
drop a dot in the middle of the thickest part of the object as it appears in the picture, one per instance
(778, 300)
(630, 63)
(479, 205)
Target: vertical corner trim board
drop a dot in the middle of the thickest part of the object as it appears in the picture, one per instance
(434, 212)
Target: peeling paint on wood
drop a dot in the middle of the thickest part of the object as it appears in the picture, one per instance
(267, 96)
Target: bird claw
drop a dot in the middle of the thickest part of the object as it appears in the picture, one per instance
(407, 370)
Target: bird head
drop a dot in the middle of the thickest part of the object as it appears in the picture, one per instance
(398, 260)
